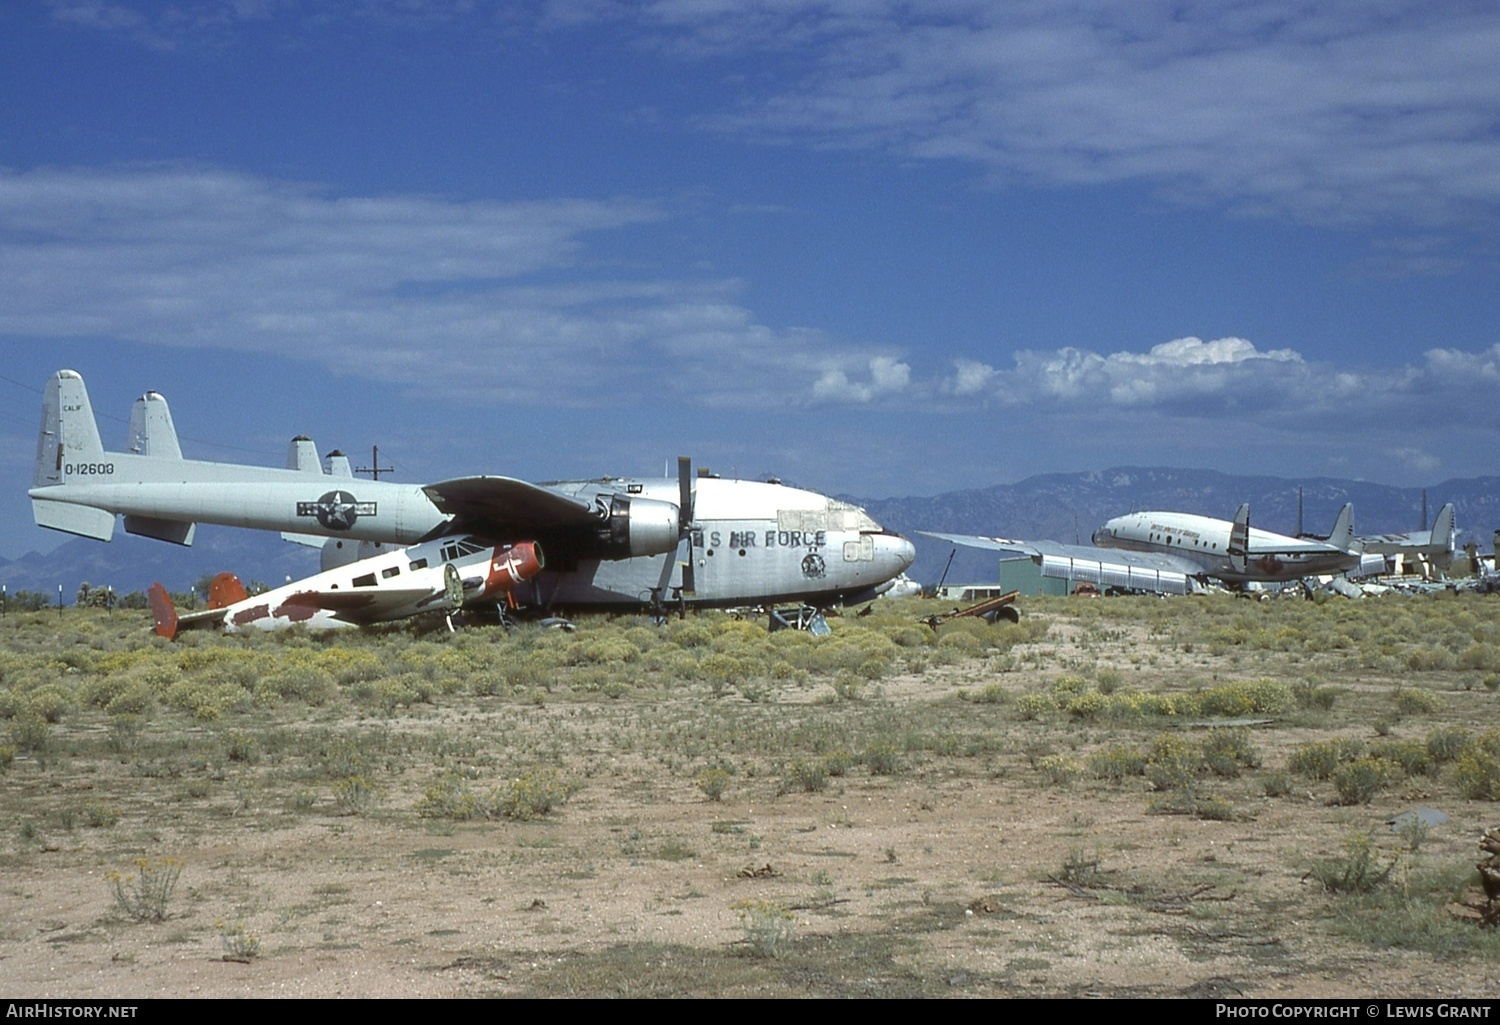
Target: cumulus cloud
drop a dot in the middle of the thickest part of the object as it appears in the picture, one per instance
(882, 376)
(478, 302)
(1333, 110)
(970, 377)
(1232, 379)
(1181, 371)
(1328, 110)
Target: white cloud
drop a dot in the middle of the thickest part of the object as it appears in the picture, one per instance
(1185, 373)
(1185, 352)
(885, 377)
(477, 302)
(970, 377)
(1330, 110)
(1231, 380)
(1415, 460)
(1456, 365)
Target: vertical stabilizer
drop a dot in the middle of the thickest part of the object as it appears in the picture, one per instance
(338, 465)
(153, 435)
(67, 446)
(1342, 534)
(151, 431)
(69, 434)
(1444, 537)
(225, 590)
(302, 456)
(1239, 539)
(163, 612)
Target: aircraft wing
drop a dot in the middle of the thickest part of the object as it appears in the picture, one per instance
(366, 606)
(1104, 567)
(201, 619)
(506, 507)
(1019, 549)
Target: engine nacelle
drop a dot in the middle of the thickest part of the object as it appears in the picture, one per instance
(510, 566)
(638, 526)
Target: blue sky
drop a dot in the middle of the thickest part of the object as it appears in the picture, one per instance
(872, 247)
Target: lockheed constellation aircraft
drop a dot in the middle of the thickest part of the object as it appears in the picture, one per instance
(1171, 552)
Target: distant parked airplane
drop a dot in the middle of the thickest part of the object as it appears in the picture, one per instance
(1172, 552)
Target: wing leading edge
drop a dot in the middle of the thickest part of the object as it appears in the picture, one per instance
(504, 506)
(1104, 567)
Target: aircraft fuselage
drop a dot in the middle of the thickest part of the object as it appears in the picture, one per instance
(611, 541)
(1205, 541)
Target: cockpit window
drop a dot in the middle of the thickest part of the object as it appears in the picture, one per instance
(458, 549)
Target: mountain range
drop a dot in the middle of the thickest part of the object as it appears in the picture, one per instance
(1059, 506)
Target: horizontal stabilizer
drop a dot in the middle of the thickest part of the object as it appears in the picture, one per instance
(161, 530)
(82, 520)
(169, 622)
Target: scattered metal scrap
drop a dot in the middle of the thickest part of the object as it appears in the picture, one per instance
(800, 617)
(991, 610)
(1489, 876)
(1484, 909)
(763, 872)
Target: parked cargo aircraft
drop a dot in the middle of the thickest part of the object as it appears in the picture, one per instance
(1173, 553)
(436, 576)
(609, 542)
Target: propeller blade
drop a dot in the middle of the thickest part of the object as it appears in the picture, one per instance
(684, 491)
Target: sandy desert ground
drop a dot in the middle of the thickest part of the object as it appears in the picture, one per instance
(945, 823)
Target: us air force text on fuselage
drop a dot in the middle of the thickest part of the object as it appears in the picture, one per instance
(773, 538)
(1372, 1010)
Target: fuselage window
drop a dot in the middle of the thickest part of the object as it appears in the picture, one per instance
(390, 572)
(418, 564)
(368, 580)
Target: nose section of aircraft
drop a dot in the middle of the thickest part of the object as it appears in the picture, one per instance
(894, 554)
